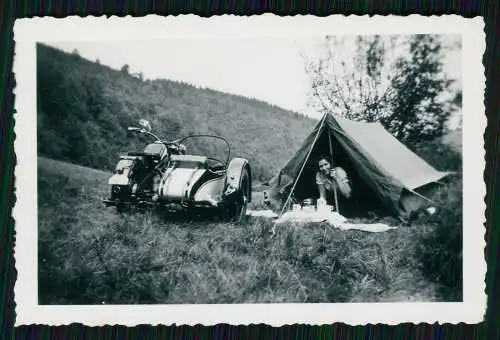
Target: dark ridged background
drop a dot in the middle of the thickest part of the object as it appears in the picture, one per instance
(10, 10)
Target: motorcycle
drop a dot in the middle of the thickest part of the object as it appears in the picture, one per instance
(164, 174)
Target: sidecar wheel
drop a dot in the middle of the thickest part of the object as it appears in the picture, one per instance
(239, 210)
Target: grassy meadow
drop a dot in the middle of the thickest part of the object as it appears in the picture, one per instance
(89, 254)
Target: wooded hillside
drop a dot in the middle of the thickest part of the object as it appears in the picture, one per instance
(84, 109)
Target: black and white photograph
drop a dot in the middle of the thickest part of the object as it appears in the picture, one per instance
(287, 171)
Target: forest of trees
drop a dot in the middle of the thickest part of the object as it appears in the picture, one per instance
(84, 109)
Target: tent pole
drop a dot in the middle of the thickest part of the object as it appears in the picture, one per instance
(320, 128)
(335, 182)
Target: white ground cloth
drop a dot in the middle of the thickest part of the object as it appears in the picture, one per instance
(262, 213)
(372, 228)
(333, 218)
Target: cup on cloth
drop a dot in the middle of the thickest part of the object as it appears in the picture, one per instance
(325, 208)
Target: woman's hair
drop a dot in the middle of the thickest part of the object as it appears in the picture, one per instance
(325, 157)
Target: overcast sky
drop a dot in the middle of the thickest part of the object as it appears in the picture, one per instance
(270, 69)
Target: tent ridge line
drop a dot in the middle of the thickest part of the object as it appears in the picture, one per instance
(369, 157)
(406, 148)
(383, 169)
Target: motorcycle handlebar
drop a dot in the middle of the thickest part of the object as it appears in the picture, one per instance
(131, 128)
(136, 129)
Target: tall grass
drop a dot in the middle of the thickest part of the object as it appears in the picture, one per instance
(440, 245)
(91, 255)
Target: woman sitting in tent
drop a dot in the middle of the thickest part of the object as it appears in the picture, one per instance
(328, 179)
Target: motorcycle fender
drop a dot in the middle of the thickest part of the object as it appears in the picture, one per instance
(234, 175)
(210, 191)
(118, 179)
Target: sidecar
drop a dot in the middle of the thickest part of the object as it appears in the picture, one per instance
(165, 176)
(190, 181)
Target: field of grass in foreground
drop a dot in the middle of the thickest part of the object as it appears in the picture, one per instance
(89, 254)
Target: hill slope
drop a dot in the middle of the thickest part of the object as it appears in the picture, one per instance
(84, 109)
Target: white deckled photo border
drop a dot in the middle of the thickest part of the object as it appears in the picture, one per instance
(27, 32)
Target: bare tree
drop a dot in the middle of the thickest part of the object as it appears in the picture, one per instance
(351, 87)
(395, 80)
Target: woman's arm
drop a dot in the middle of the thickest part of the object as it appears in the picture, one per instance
(321, 186)
(322, 191)
(341, 181)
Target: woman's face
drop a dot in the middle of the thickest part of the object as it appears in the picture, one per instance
(324, 166)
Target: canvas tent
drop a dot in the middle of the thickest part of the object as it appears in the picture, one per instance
(385, 175)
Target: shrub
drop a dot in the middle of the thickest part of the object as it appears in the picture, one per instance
(440, 246)
(441, 156)
(439, 249)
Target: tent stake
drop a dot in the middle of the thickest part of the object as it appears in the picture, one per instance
(320, 128)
